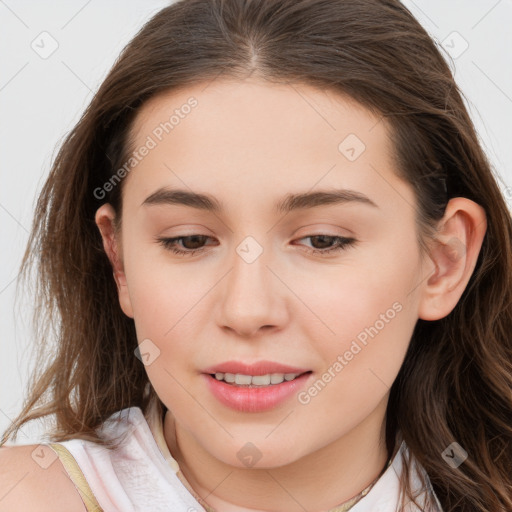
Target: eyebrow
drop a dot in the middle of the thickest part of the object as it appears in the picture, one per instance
(291, 202)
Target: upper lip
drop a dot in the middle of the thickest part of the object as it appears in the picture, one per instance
(257, 368)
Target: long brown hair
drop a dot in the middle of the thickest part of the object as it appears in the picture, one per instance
(456, 381)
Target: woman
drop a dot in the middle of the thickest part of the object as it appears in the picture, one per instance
(202, 337)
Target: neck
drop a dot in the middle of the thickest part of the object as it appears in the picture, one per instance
(319, 481)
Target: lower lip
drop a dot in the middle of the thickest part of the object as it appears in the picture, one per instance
(256, 399)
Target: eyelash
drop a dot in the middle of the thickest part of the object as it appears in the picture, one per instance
(342, 243)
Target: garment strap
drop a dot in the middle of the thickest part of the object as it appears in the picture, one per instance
(77, 477)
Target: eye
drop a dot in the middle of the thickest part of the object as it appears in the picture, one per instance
(193, 240)
(340, 243)
(328, 244)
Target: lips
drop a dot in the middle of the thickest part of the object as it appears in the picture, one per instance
(257, 368)
(255, 399)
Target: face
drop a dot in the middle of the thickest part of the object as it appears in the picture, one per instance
(326, 286)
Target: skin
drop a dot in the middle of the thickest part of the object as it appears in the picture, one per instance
(249, 143)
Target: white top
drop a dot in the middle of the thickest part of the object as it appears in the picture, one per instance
(141, 475)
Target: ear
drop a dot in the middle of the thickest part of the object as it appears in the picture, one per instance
(105, 220)
(454, 253)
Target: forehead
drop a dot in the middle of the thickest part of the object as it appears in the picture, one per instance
(254, 107)
(254, 137)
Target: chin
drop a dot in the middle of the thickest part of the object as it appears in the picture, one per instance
(259, 455)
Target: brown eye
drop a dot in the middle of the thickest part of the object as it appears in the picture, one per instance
(323, 244)
(193, 242)
(190, 243)
(322, 241)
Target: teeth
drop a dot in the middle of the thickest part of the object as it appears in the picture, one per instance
(261, 380)
(242, 379)
(257, 380)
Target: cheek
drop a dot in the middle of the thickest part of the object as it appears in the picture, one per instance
(161, 291)
(368, 310)
(166, 302)
(360, 362)
(165, 305)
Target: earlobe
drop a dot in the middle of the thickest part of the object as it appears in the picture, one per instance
(454, 253)
(105, 220)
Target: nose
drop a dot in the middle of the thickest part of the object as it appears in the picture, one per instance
(253, 298)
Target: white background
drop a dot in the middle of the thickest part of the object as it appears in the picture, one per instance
(42, 98)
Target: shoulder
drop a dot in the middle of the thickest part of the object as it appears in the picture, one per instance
(32, 477)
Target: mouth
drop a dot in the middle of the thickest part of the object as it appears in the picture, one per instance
(255, 393)
(256, 381)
